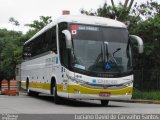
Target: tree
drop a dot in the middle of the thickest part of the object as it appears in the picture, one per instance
(11, 43)
(37, 25)
(149, 31)
(13, 21)
(10, 52)
(120, 12)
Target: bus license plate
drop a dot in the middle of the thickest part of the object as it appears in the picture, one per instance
(104, 94)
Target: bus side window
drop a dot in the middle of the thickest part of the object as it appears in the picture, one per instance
(53, 41)
(41, 44)
(37, 45)
(49, 43)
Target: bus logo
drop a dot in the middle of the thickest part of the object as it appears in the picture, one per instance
(74, 29)
(94, 81)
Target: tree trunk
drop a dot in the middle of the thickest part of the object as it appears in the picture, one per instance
(130, 5)
(113, 3)
(126, 3)
(114, 8)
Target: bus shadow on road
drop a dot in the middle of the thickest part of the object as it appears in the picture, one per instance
(74, 103)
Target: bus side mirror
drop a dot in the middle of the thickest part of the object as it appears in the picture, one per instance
(139, 41)
(67, 38)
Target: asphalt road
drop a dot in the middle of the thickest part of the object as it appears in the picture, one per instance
(24, 104)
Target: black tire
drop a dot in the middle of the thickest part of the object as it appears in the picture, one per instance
(27, 87)
(52, 85)
(57, 99)
(27, 84)
(104, 102)
(29, 92)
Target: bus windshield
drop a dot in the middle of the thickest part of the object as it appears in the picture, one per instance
(100, 49)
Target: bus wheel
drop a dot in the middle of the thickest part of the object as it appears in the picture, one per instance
(29, 92)
(104, 102)
(57, 99)
(54, 91)
(27, 87)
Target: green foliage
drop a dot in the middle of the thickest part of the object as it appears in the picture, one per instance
(10, 51)
(11, 43)
(104, 11)
(154, 95)
(39, 24)
(120, 12)
(146, 10)
(149, 31)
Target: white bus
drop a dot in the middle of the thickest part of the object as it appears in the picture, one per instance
(80, 57)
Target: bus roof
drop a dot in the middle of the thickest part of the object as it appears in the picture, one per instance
(82, 19)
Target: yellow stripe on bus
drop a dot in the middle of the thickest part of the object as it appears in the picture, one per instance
(78, 88)
(85, 90)
(45, 86)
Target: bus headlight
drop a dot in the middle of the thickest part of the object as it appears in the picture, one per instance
(129, 84)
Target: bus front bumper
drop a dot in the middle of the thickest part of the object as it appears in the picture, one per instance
(82, 92)
(97, 97)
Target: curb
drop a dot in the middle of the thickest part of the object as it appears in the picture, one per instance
(140, 101)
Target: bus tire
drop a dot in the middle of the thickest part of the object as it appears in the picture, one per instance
(57, 99)
(104, 102)
(27, 87)
(29, 92)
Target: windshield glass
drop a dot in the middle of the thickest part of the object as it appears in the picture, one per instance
(100, 49)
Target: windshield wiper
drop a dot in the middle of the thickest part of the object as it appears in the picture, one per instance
(115, 61)
(118, 49)
(106, 52)
(107, 62)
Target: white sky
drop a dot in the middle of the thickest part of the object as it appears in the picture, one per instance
(25, 11)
